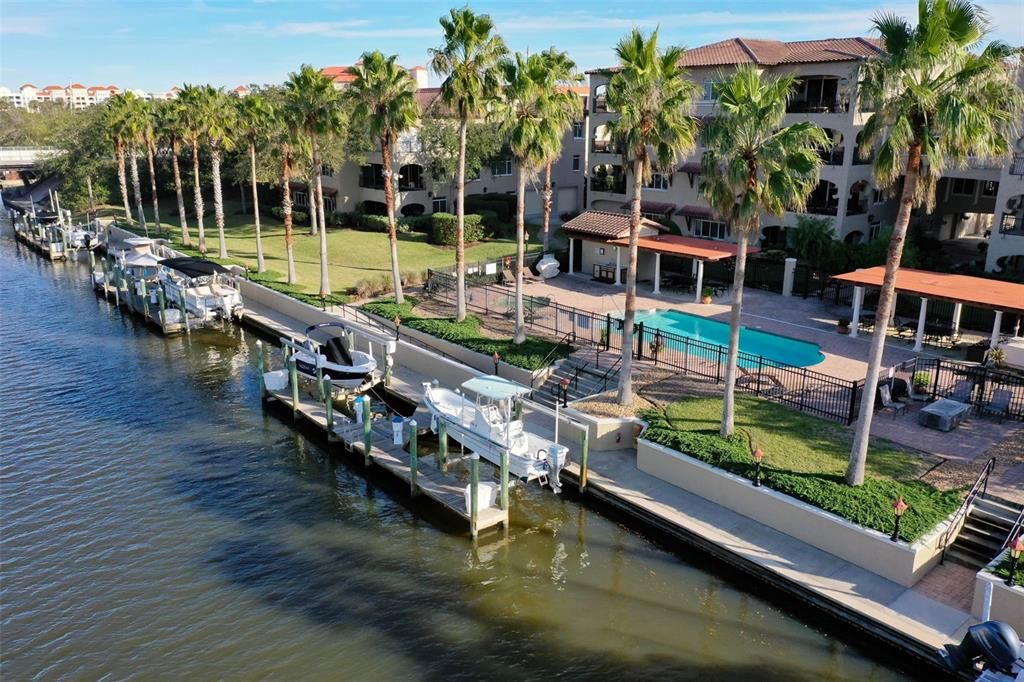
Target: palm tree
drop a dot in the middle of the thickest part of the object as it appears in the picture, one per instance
(562, 72)
(255, 114)
(385, 104)
(653, 95)
(170, 131)
(113, 118)
(190, 99)
(218, 122)
(468, 61)
(753, 166)
(531, 113)
(314, 104)
(938, 101)
(149, 137)
(134, 119)
(284, 137)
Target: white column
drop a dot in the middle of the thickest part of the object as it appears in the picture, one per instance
(787, 277)
(995, 329)
(657, 272)
(858, 301)
(957, 309)
(919, 339)
(618, 277)
(571, 240)
(700, 279)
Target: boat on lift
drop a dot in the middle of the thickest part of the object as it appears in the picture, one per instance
(83, 237)
(327, 346)
(203, 285)
(487, 425)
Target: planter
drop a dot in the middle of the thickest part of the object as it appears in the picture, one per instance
(706, 299)
(842, 330)
(1007, 602)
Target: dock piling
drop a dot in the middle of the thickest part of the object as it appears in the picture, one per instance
(161, 297)
(328, 405)
(442, 445)
(474, 491)
(504, 479)
(293, 382)
(414, 459)
(367, 431)
(184, 310)
(261, 368)
(145, 297)
(584, 456)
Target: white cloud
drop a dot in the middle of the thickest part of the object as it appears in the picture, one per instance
(355, 28)
(27, 26)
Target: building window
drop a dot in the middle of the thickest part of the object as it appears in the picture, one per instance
(577, 130)
(502, 166)
(989, 188)
(439, 205)
(873, 231)
(410, 177)
(327, 172)
(659, 181)
(371, 176)
(330, 204)
(963, 187)
(576, 162)
(709, 229)
(299, 199)
(877, 196)
(709, 91)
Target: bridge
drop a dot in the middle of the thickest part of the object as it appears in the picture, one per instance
(24, 158)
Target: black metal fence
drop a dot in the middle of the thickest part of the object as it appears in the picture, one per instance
(987, 388)
(804, 389)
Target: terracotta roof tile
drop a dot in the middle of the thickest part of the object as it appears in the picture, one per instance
(605, 224)
(427, 96)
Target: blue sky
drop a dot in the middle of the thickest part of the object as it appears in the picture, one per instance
(154, 44)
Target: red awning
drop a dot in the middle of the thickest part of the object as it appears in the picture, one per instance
(978, 292)
(657, 207)
(687, 247)
(696, 212)
(690, 167)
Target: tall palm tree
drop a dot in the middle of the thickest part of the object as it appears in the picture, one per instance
(284, 138)
(531, 113)
(134, 119)
(149, 137)
(314, 103)
(938, 101)
(190, 99)
(754, 166)
(113, 123)
(218, 121)
(255, 114)
(468, 61)
(170, 132)
(653, 96)
(384, 101)
(562, 72)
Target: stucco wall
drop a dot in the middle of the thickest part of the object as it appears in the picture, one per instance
(1007, 602)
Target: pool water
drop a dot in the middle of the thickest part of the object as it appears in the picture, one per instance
(782, 349)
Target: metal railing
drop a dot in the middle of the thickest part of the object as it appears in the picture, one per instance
(980, 487)
(1015, 532)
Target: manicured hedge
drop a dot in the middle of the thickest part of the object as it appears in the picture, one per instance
(868, 505)
(444, 224)
(1002, 570)
(297, 216)
(529, 355)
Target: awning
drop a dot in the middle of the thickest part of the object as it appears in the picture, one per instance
(193, 267)
(495, 388)
(696, 212)
(687, 247)
(690, 167)
(978, 292)
(652, 207)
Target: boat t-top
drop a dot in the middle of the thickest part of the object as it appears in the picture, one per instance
(327, 346)
(487, 425)
(203, 286)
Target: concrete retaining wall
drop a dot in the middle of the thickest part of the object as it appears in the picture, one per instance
(902, 563)
(1007, 602)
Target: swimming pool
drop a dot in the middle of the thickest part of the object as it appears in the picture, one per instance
(775, 347)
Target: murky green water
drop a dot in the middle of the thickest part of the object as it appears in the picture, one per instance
(155, 523)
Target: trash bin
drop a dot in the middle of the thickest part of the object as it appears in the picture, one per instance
(488, 496)
(396, 429)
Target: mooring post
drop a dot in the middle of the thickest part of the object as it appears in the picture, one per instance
(130, 290)
(367, 430)
(328, 405)
(105, 292)
(414, 460)
(117, 287)
(442, 444)
(145, 297)
(261, 368)
(474, 492)
(504, 479)
(293, 381)
(320, 380)
(92, 262)
(584, 456)
(161, 298)
(184, 310)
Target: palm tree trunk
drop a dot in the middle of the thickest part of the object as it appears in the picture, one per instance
(186, 238)
(311, 208)
(389, 198)
(325, 281)
(151, 153)
(260, 265)
(626, 372)
(218, 200)
(729, 399)
(547, 203)
(198, 194)
(92, 198)
(123, 181)
(520, 329)
(886, 300)
(460, 225)
(286, 208)
(137, 190)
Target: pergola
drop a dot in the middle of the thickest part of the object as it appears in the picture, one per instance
(978, 292)
(699, 250)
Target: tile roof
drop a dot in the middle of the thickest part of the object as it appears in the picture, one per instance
(76, 86)
(974, 291)
(687, 247)
(339, 74)
(427, 96)
(605, 224)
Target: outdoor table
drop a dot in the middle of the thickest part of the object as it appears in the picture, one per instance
(944, 414)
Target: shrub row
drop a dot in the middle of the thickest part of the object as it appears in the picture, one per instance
(868, 505)
(529, 355)
(382, 284)
(444, 229)
(1002, 570)
(297, 216)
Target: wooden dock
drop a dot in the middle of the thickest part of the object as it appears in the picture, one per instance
(39, 240)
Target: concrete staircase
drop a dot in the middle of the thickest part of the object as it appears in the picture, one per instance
(984, 532)
(588, 372)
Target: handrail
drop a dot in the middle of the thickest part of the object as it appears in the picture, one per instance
(1015, 532)
(980, 486)
(551, 353)
(604, 379)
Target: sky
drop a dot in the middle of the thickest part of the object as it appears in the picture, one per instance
(155, 44)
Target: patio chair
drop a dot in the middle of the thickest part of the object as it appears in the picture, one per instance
(507, 278)
(897, 406)
(998, 405)
(961, 391)
(761, 382)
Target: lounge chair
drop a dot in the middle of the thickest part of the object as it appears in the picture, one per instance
(961, 391)
(760, 382)
(897, 406)
(507, 278)
(998, 405)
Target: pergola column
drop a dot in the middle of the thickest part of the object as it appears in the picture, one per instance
(858, 301)
(618, 277)
(958, 308)
(994, 341)
(921, 316)
(571, 249)
(700, 279)
(657, 272)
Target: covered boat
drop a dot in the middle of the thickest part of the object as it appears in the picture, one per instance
(547, 266)
(487, 425)
(327, 346)
(203, 285)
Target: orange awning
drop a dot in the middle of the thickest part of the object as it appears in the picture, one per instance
(687, 247)
(973, 291)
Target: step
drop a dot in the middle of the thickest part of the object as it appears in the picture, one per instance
(982, 546)
(986, 524)
(998, 507)
(994, 516)
(982, 554)
(953, 556)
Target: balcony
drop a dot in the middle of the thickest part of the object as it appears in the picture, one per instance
(822, 209)
(608, 184)
(1017, 165)
(604, 147)
(832, 157)
(818, 95)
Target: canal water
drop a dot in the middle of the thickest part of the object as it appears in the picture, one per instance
(155, 522)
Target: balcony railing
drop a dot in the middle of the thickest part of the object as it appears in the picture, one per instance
(614, 185)
(817, 209)
(1017, 165)
(833, 157)
(600, 104)
(816, 107)
(604, 147)
(855, 208)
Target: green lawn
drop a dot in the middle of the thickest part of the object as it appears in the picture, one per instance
(353, 255)
(1003, 570)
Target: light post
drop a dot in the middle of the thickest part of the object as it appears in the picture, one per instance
(1015, 551)
(497, 359)
(565, 391)
(758, 456)
(398, 323)
(899, 508)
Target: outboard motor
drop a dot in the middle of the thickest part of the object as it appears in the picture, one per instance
(993, 643)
